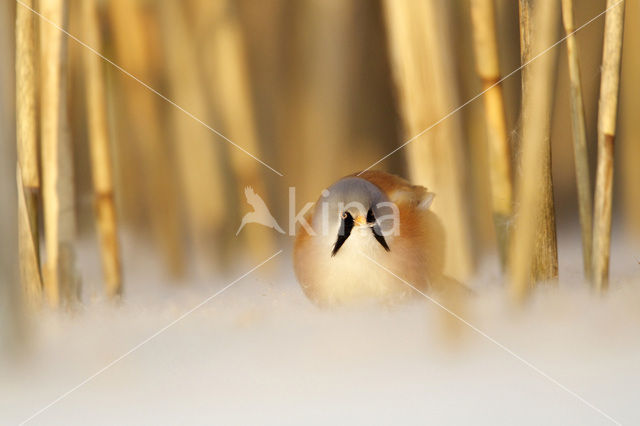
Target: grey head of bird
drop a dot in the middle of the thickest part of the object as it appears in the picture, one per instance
(354, 206)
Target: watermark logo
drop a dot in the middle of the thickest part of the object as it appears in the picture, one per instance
(260, 213)
(383, 217)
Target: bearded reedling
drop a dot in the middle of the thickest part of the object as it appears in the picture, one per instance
(362, 225)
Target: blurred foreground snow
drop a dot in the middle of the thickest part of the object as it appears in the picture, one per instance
(260, 353)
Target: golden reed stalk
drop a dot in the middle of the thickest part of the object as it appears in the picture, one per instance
(580, 152)
(318, 96)
(101, 169)
(607, 111)
(535, 35)
(499, 161)
(421, 64)
(197, 148)
(229, 86)
(533, 189)
(14, 332)
(57, 163)
(132, 32)
(28, 173)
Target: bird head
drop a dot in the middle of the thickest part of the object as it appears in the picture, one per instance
(357, 211)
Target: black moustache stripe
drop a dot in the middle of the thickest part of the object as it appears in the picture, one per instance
(379, 237)
(377, 233)
(347, 225)
(345, 230)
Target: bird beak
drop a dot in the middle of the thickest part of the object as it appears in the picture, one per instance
(361, 220)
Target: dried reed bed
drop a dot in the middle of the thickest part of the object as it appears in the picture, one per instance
(153, 172)
(607, 112)
(28, 171)
(101, 166)
(579, 131)
(537, 34)
(499, 158)
(427, 90)
(57, 165)
(534, 183)
(195, 52)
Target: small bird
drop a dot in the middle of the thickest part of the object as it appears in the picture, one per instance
(361, 225)
(260, 213)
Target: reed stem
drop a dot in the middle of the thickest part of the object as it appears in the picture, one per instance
(57, 165)
(198, 149)
(535, 212)
(156, 177)
(537, 34)
(607, 111)
(488, 68)
(28, 172)
(101, 168)
(421, 63)
(230, 86)
(580, 152)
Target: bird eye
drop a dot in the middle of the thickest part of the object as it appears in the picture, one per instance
(344, 215)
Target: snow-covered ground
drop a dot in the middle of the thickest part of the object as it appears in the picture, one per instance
(260, 353)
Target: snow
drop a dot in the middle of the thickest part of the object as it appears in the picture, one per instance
(260, 353)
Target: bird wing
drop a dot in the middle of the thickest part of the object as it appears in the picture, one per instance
(399, 190)
(420, 197)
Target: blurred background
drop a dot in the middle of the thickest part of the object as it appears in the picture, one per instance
(188, 92)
